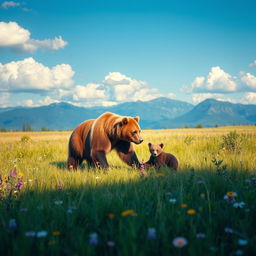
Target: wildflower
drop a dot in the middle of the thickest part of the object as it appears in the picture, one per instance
(58, 202)
(56, 233)
(239, 252)
(229, 230)
(202, 195)
(200, 182)
(172, 200)
(19, 184)
(239, 205)
(160, 175)
(191, 211)
(12, 224)
(200, 235)
(231, 194)
(180, 242)
(230, 197)
(97, 177)
(184, 205)
(13, 173)
(71, 209)
(242, 242)
(151, 233)
(111, 244)
(111, 215)
(42, 233)
(30, 234)
(93, 239)
(128, 212)
(20, 175)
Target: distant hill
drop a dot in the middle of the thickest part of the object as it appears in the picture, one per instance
(63, 116)
(212, 112)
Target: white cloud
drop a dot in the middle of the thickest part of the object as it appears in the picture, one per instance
(216, 81)
(4, 99)
(199, 97)
(122, 88)
(249, 80)
(249, 98)
(15, 37)
(90, 91)
(171, 95)
(253, 64)
(8, 4)
(29, 75)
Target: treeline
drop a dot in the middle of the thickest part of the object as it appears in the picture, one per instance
(26, 127)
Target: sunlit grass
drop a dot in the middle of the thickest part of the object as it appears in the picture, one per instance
(77, 204)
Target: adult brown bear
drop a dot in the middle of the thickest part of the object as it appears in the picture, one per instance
(93, 139)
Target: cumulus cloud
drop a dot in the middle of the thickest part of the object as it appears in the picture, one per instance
(171, 95)
(90, 91)
(249, 81)
(249, 98)
(217, 81)
(253, 64)
(8, 4)
(199, 97)
(29, 75)
(16, 38)
(123, 88)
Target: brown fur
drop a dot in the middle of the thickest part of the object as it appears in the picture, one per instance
(93, 139)
(159, 158)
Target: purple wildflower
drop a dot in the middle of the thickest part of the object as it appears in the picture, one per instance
(12, 224)
(200, 235)
(19, 184)
(200, 182)
(229, 199)
(93, 239)
(111, 244)
(13, 173)
(151, 233)
(229, 230)
(30, 234)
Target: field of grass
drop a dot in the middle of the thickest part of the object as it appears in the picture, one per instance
(210, 201)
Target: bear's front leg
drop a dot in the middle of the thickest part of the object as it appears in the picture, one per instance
(100, 157)
(126, 153)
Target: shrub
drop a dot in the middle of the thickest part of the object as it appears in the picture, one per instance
(199, 126)
(232, 142)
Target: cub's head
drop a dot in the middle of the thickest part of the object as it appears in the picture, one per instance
(129, 129)
(155, 149)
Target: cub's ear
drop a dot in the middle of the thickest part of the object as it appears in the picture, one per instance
(125, 120)
(137, 119)
(161, 145)
(149, 144)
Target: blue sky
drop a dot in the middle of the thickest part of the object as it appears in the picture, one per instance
(108, 52)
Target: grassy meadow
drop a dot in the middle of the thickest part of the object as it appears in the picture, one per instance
(209, 202)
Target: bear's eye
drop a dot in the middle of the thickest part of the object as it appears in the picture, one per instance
(134, 132)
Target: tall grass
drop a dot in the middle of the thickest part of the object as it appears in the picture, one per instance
(71, 206)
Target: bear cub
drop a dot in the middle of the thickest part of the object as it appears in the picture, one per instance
(159, 158)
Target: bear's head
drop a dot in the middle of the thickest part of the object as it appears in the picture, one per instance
(129, 129)
(155, 149)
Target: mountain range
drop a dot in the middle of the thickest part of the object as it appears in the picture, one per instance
(156, 114)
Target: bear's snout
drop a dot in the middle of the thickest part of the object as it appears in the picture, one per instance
(141, 140)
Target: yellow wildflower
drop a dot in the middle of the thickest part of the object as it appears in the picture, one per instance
(160, 175)
(20, 175)
(128, 212)
(191, 211)
(56, 233)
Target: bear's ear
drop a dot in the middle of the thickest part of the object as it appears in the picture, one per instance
(125, 120)
(137, 119)
(161, 145)
(149, 144)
